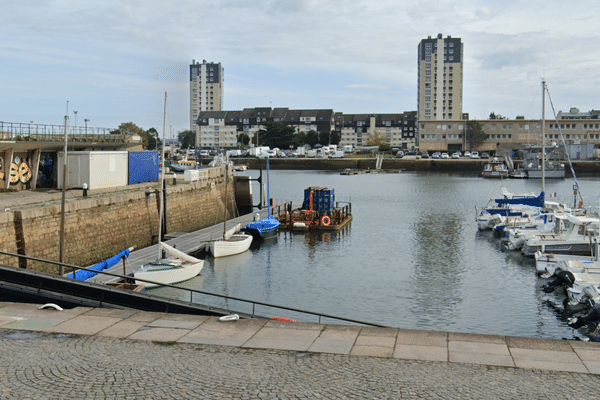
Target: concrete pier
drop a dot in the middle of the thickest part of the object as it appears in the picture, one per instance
(87, 353)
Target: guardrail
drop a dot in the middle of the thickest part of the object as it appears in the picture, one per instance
(19, 131)
(266, 307)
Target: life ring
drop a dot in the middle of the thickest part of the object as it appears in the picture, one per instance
(24, 173)
(284, 319)
(325, 221)
(14, 173)
(231, 317)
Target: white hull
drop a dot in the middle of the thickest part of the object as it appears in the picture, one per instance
(236, 244)
(177, 267)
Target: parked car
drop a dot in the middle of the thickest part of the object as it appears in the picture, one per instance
(425, 154)
(445, 155)
(474, 154)
(467, 154)
(456, 155)
(485, 155)
(436, 154)
(400, 154)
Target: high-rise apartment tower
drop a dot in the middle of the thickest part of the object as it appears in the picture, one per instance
(440, 79)
(206, 89)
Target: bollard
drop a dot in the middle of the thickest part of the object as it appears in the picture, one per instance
(85, 190)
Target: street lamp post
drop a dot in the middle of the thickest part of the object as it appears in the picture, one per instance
(86, 121)
(75, 112)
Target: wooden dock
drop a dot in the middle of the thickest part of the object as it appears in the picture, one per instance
(188, 242)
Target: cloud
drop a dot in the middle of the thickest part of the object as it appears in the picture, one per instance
(367, 86)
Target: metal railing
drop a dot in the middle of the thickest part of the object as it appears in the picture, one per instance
(196, 292)
(19, 131)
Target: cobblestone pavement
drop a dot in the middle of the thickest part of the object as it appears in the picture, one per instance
(38, 365)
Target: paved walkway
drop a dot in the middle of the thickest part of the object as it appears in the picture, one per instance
(102, 353)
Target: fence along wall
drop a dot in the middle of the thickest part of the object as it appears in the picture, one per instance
(96, 229)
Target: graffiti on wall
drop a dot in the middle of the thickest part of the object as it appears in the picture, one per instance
(19, 171)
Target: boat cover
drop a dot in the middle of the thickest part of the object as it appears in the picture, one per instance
(83, 275)
(528, 201)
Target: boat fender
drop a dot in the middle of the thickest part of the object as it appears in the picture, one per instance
(325, 221)
(51, 305)
(284, 319)
(231, 317)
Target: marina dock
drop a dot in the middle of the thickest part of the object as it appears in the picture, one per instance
(189, 242)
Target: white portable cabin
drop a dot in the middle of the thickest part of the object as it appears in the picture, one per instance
(97, 169)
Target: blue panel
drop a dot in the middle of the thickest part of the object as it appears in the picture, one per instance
(144, 166)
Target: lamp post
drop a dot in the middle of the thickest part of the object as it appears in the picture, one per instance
(86, 121)
(75, 127)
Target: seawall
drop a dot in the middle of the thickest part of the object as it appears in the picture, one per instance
(97, 228)
(407, 164)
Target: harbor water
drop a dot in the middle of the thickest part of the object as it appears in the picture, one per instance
(411, 258)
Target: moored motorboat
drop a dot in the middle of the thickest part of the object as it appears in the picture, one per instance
(574, 239)
(496, 168)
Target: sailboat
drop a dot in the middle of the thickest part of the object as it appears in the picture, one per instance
(172, 265)
(231, 243)
(537, 162)
(266, 227)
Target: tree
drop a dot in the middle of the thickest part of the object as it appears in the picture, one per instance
(299, 139)
(152, 139)
(335, 137)
(129, 128)
(376, 139)
(476, 136)
(243, 139)
(276, 134)
(493, 115)
(324, 138)
(187, 139)
(312, 138)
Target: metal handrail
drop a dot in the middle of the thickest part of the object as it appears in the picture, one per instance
(254, 303)
(20, 131)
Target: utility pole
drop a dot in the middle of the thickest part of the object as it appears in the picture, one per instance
(61, 269)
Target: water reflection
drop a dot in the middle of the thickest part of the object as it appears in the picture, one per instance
(412, 258)
(438, 268)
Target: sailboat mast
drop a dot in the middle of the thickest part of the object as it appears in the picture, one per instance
(162, 180)
(268, 199)
(225, 202)
(544, 137)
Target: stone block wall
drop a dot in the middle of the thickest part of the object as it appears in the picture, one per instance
(8, 240)
(98, 228)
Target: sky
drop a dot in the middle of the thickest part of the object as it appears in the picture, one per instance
(113, 61)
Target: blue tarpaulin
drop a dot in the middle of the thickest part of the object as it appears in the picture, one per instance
(83, 275)
(143, 167)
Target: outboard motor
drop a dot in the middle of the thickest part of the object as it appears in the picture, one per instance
(592, 317)
(563, 279)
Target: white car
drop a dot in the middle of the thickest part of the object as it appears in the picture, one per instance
(474, 154)
(456, 155)
(445, 155)
(467, 154)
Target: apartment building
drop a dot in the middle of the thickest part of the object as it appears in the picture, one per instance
(440, 79)
(206, 89)
(221, 128)
(573, 128)
(399, 130)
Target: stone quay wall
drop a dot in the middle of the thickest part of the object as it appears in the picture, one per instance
(98, 228)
